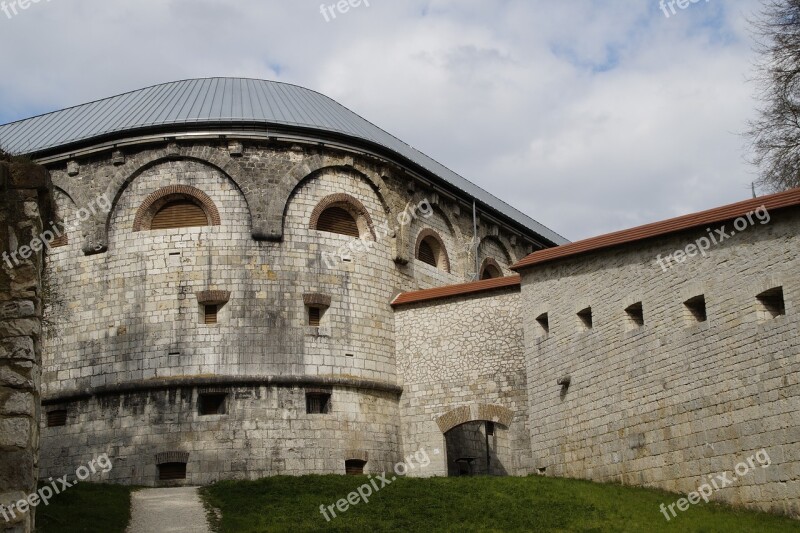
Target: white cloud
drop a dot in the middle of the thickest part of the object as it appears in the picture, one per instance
(590, 116)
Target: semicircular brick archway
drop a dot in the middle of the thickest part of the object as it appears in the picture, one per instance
(474, 412)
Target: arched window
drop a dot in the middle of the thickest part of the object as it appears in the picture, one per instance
(342, 214)
(338, 220)
(426, 253)
(491, 269)
(430, 250)
(179, 214)
(176, 206)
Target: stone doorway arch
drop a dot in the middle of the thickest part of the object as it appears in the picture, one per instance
(477, 440)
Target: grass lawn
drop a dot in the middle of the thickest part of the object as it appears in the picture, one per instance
(500, 504)
(87, 508)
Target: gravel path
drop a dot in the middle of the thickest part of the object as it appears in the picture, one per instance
(176, 510)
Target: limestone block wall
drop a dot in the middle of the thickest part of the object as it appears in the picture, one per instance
(25, 198)
(126, 306)
(265, 431)
(456, 359)
(672, 402)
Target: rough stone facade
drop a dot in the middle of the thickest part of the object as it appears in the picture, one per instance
(461, 360)
(127, 350)
(25, 198)
(670, 403)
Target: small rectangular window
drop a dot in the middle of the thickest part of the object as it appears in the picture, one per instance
(210, 313)
(317, 403)
(354, 467)
(212, 404)
(171, 471)
(57, 418)
(585, 319)
(635, 316)
(696, 309)
(771, 304)
(490, 428)
(314, 316)
(544, 324)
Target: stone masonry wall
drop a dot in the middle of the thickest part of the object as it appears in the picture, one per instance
(264, 431)
(672, 402)
(455, 356)
(24, 199)
(125, 314)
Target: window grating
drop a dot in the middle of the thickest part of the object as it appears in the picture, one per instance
(57, 418)
(171, 471)
(317, 403)
(210, 314)
(426, 253)
(338, 220)
(314, 316)
(179, 214)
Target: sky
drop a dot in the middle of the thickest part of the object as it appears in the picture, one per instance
(589, 116)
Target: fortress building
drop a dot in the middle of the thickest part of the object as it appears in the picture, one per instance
(246, 279)
(219, 299)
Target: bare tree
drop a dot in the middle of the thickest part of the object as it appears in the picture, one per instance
(775, 134)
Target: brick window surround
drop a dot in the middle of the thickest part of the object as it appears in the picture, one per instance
(443, 261)
(158, 199)
(349, 204)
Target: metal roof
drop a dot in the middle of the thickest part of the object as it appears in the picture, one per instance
(230, 101)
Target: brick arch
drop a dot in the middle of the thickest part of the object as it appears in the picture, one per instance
(474, 413)
(278, 202)
(487, 262)
(156, 200)
(505, 247)
(96, 229)
(350, 204)
(444, 256)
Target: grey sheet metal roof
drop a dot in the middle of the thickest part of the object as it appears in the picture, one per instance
(230, 101)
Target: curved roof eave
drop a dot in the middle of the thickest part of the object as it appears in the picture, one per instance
(233, 101)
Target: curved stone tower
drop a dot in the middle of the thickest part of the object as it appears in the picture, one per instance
(220, 278)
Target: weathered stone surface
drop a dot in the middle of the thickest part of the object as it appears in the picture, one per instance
(131, 315)
(15, 432)
(18, 348)
(20, 329)
(675, 400)
(17, 469)
(16, 376)
(17, 403)
(17, 309)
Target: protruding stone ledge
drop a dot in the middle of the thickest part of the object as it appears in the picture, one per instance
(321, 300)
(358, 455)
(213, 297)
(222, 381)
(172, 457)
